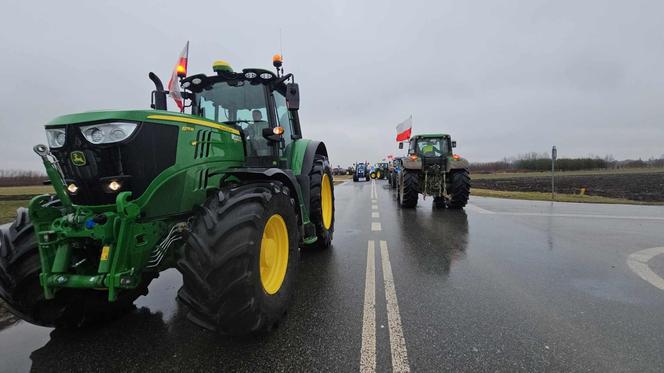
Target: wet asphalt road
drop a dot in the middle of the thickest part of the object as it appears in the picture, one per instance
(502, 286)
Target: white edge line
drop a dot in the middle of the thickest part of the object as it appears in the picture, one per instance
(638, 262)
(480, 210)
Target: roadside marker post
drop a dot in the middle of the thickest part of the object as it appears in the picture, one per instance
(554, 155)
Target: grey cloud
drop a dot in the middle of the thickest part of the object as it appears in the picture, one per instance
(503, 77)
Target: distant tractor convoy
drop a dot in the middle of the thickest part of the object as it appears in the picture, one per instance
(226, 194)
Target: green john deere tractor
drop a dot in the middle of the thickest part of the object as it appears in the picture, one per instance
(431, 169)
(379, 171)
(226, 194)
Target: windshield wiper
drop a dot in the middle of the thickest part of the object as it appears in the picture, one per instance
(236, 121)
(243, 121)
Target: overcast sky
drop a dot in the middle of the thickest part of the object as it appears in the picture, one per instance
(503, 77)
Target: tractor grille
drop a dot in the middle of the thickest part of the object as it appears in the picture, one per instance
(134, 162)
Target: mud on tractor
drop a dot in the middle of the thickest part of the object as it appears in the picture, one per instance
(226, 194)
(431, 169)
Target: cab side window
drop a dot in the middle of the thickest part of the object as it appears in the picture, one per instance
(411, 147)
(283, 116)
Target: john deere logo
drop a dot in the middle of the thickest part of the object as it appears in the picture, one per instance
(78, 158)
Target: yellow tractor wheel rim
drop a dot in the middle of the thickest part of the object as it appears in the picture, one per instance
(274, 254)
(326, 201)
(377, 174)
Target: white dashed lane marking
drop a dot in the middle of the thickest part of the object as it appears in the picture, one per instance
(375, 226)
(397, 340)
(368, 354)
(375, 214)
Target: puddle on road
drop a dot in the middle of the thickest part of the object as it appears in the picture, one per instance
(21, 343)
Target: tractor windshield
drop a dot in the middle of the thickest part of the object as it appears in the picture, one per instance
(241, 103)
(432, 147)
(235, 102)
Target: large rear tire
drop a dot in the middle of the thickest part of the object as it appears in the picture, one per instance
(20, 289)
(240, 260)
(410, 189)
(459, 190)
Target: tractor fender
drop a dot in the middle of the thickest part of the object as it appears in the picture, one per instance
(313, 148)
(262, 174)
(410, 164)
(457, 164)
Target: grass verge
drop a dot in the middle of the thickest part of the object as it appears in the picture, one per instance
(539, 196)
(512, 175)
(8, 210)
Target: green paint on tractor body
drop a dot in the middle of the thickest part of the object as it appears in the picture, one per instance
(108, 240)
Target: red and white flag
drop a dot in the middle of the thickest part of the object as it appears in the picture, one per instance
(404, 129)
(180, 70)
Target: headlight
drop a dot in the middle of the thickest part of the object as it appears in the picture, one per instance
(106, 133)
(55, 137)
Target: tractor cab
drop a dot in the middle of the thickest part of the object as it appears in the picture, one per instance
(261, 104)
(431, 150)
(431, 146)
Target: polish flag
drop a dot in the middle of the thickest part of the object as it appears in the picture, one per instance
(180, 70)
(404, 129)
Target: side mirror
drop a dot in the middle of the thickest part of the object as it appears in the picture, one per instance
(293, 96)
(454, 144)
(400, 145)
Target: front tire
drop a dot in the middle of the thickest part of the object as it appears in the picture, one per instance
(409, 194)
(322, 201)
(20, 288)
(240, 261)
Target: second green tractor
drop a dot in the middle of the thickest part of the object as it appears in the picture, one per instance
(431, 169)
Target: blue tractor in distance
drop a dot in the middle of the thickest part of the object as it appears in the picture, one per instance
(361, 172)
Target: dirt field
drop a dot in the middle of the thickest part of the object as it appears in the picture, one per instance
(643, 186)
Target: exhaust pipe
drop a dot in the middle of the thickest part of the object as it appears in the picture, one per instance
(158, 98)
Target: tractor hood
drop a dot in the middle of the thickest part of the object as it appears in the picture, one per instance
(110, 115)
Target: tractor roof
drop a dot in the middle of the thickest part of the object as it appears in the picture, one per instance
(199, 82)
(431, 135)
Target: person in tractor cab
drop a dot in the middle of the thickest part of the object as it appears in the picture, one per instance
(428, 148)
(257, 144)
